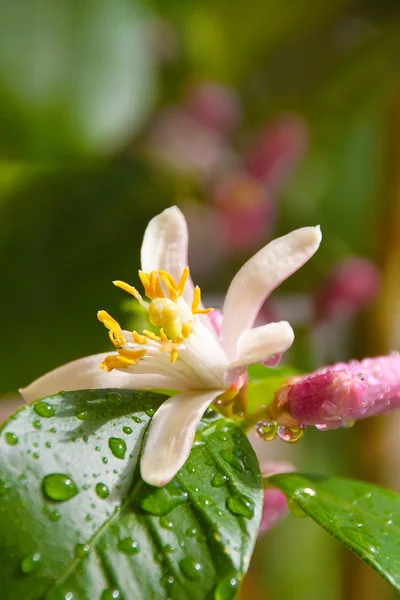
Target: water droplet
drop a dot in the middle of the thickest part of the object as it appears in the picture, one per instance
(37, 424)
(35, 455)
(128, 546)
(241, 506)
(115, 398)
(232, 460)
(227, 589)
(82, 414)
(127, 430)
(69, 596)
(168, 548)
(137, 419)
(53, 430)
(117, 447)
(167, 580)
(191, 532)
(110, 594)
(30, 563)
(59, 486)
(204, 501)
(4, 487)
(102, 490)
(166, 523)
(48, 444)
(44, 409)
(290, 435)
(219, 480)
(82, 550)
(190, 568)
(105, 460)
(149, 410)
(11, 438)
(267, 430)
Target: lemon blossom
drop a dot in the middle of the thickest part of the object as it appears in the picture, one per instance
(186, 354)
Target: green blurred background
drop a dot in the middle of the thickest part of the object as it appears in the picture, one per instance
(254, 117)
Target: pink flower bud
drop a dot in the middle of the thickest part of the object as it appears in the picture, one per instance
(215, 106)
(334, 396)
(246, 210)
(352, 286)
(277, 150)
(275, 506)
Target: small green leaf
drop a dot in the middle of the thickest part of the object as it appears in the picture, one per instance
(77, 521)
(263, 383)
(363, 516)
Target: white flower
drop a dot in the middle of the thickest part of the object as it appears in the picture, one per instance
(187, 354)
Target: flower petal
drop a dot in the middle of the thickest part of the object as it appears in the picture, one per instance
(259, 277)
(165, 246)
(171, 435)
(85, 373)
(258, 345)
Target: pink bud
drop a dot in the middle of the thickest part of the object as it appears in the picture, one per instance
(352, 286)
(275, 506)
(335, 395)
(215, 106)
(277, 150)
(246, 210)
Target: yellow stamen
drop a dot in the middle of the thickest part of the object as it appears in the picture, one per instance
(133, 355)
(180, 288)
(116, 362)
(145, 279)
(174, 355)
(152, 335)
(139, 339)
(156, 290)
(128, 288)
(196, 310)
(169, 284)
(163, 335)
(115, 331)
(187, 329)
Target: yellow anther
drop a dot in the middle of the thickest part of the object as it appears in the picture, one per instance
(128, 288)
(151, 335)
(115, 331)
(180, 288)
(166, 278)
(196, 310)
(116, 362)
(133, 355)
(174, 355)
(145, 279)
(163, 335)
(156, 290)
(139, 339)
(187, 329)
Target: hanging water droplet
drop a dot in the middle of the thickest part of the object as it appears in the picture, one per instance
(322, 427)
(44, 409)
(127, 430)
(11, 438)
(227, 589)
(117, 447)
(137, 419)
(59, 486)
(110, 594)
(290, 435)
(191, 568)
(219, 480)
(102, 490)
(30, 563)
(267, 430)
(241, 506)
(128, 546)
(82, 550)
(166, 523)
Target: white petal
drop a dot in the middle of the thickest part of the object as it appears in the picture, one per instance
(85, 373)
(258, 345)
(165, 246)
(259, 277)
(171, 434)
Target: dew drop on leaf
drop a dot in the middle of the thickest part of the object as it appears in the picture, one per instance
(115, 398)
(82, 550)
(4, 488)
(30, 563)
(191, 532)
(191, 568)
(129, 546)
(149, 410)
(110, 594)
(37, 424)
(59, 487)
(117, 447)
(161, 501)
(11, 438)
(166, 523)
(240, 506)
(82, 414)
(137, 419)
(232, 460)
(44, 409)
(102, 490)
(127, 430)
(218, 480)
(227, 589)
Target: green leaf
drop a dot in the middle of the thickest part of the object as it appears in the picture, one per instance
(77, 518)
(263, 383)
(363, 516)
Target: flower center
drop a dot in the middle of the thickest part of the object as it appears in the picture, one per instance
(167, 313)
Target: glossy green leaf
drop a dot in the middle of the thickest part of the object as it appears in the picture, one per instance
(363, 516)
(78, 522)
(263, 383)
